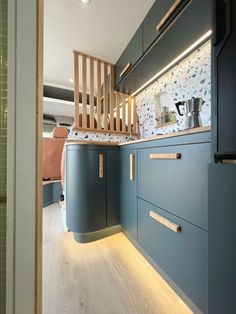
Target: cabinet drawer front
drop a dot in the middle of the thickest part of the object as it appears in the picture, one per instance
(181, 255)
(175, 179)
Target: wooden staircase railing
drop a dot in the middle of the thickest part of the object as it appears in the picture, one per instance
(108, 111)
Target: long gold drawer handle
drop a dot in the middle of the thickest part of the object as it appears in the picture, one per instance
(168, 14)
(167, 223)
(165, 156)
(132, 167)
(125, 69)
(100, 165)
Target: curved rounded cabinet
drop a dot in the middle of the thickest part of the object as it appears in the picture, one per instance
(87, 208)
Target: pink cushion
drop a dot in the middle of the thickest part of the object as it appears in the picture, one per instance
(60, 132)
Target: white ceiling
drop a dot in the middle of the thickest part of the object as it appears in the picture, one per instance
(102, 29)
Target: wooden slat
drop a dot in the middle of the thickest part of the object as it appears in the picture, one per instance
(105, 100)
(112, 98)
(98, 95)
(123, 113)
(118, 112)
(84, 95)
(91, 102)
(89, 56)
(129, 114)
(76, 89)
(134, 116)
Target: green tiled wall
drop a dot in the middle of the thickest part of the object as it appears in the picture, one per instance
(3, 150)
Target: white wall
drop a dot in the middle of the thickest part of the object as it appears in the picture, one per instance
(21, 157)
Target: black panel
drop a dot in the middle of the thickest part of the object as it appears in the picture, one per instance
(191, 24)
(224, 78)
(62, 94)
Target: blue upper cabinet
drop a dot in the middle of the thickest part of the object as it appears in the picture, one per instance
(175, 179)
(158, 18)
(128, 191)
(170, 28)
(130, 56)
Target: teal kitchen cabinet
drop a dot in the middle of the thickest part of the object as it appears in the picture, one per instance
(90, 212)
(162, 10)
(188, 24)
(128, 191)
(180, 253)
(130, 56)
(222, 237)
(175, 179)
(85, 189)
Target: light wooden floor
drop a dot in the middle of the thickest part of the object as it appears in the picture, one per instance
(108, 276)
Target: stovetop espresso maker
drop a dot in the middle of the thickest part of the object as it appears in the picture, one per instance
(193, 108)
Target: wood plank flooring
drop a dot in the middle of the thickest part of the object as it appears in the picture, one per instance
(108, 276)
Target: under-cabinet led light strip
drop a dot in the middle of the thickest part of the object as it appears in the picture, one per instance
(181, 56)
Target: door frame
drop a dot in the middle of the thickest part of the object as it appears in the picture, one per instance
(24, 160)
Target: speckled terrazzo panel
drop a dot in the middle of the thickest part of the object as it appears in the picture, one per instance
(87, 136)
(189, 78)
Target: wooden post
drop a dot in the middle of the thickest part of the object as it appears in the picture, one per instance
(117, 112)
(98, 94)
(112, 98)
(105, 99)
(124, 113)
(91, 102)
(84, 95)
(129, 114)
(134, 116)
(76, 89)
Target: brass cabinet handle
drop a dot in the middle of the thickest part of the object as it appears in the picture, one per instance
(165, 156)
(168, 14)
(125, 69)
(100, 165)
(166, 222)
(132, 167)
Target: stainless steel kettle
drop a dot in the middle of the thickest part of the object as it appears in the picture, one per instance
(193, 108)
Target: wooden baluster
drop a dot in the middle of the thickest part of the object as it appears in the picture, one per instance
(98, 94)
(105, 99)
(118, 112)
(129, 114)
(134, 116)
(84, 94)
(91, 101)
(76, 89)
(123, 113)
(112, 98)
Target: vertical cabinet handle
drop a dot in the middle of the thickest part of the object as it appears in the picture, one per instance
(168, 15)
(100, 166)
(132, 167)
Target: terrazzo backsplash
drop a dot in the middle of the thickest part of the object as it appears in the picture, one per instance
(189, 78)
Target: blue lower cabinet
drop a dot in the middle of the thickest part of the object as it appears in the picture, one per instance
(85, 189)
(222, 239)
(179, 249)
(128, 191)
(175, 179)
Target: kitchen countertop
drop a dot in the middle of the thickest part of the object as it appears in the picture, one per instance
(153, 138)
